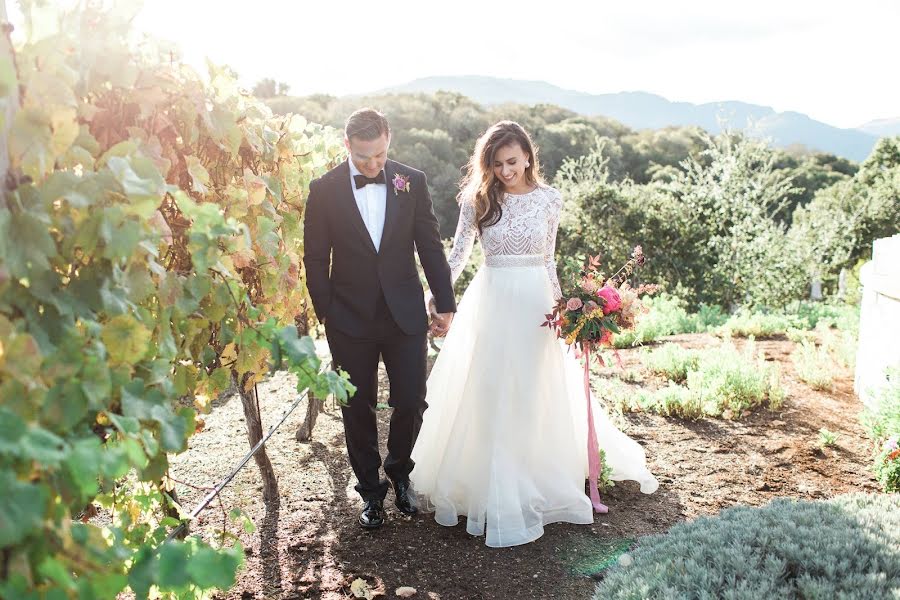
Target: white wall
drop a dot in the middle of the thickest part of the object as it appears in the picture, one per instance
(879, 325)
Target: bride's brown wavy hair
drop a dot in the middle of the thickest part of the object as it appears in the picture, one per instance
(479, 185)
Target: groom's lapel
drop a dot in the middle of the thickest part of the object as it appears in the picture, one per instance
(391, 201)
(348, 204)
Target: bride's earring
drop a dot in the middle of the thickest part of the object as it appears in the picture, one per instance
(527, 164)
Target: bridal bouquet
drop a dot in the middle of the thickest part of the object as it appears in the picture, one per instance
(597, 308)
(587, 317)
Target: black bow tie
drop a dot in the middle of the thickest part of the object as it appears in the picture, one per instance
(362, 180)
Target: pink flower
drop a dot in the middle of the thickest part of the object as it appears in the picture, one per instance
(891, 443)
(401, 182)
(590, 306)
(574, 304)
(606, 337)
(590, 285)
(611, 299)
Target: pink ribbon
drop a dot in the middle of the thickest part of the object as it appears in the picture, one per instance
(593, 444)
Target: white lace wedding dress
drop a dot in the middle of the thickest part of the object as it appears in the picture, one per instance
(504, 438)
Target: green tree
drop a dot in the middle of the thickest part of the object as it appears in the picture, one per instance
(836, 229)
(269, 88)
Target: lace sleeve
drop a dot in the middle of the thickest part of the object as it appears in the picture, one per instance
(463, 241)
(555, 209)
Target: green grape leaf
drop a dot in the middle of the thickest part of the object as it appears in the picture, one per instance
(135, 452)
(174, 428)
(12, 428)
(25, 242)
(81, 466)
(144, 572)
(331, 383)
(43, 446)
(23, 358)
(64, 405)
(220, 379)
(173, 565)
(22, 508)
(297, 350)
(55, 571)
(210, 568)
(30, 139)
(127, 425)
(141, 182)
(121, 236)
(96, 384)
(126, 339)
(156, 468)
(140, 402)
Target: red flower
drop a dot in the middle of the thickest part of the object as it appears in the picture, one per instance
(611, 299)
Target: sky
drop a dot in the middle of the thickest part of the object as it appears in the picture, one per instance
(835, 61)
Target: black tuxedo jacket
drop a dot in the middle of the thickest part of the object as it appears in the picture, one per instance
(346, 275)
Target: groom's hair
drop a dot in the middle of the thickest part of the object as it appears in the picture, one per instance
(366, 124)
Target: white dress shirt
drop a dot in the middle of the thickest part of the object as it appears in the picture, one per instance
(371, 201)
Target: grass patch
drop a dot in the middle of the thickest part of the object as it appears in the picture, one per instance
(846, 547)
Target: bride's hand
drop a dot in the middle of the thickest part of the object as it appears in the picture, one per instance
(440, 324)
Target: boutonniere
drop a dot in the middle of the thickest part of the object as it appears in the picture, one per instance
(401, 183)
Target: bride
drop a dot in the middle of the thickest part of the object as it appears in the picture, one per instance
(504, 440)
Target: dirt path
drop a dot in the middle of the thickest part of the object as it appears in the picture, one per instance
(311, 547)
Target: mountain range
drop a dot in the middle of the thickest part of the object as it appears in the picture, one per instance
(643, 110)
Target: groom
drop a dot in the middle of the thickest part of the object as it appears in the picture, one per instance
(364, 220)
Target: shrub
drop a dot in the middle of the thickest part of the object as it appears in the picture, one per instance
(831, 314)
(671, 401)
(845, 547)
(798, 336)
(884, 419)
(813, 365)
(882, 424)
(800, 316)
(841, 345)
(667, 315)
(759, 324)
(720, 381)
(672, 361)
(887, 465)
(729, 382)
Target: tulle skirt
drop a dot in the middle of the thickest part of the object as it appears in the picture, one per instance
(504, 439)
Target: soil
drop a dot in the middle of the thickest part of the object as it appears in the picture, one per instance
(309, 545)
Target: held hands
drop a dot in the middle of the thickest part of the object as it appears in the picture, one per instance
(440, 322)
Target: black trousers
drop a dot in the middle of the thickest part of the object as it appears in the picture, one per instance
(404, 359)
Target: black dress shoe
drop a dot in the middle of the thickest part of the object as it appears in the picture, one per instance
(372, 515)
(404, 504)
